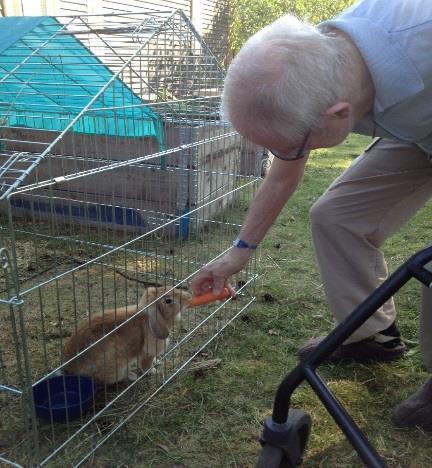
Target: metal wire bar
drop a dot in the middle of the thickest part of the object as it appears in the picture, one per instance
(119, 164)
(11, 173)
(10, 463)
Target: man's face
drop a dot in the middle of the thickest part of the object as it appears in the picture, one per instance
(313, 140)
(334, 129)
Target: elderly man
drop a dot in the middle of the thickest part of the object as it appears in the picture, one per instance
(293, 88)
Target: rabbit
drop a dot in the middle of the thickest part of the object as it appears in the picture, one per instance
(139, 341)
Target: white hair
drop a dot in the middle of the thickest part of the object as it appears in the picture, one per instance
(284, 77)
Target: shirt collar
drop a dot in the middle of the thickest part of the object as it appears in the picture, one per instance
(394, 75)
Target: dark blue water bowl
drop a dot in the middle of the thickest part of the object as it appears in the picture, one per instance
(63, 398)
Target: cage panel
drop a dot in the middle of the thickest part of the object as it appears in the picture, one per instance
(75, 274)
(117, 175)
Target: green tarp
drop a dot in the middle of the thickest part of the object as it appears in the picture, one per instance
(47, 78)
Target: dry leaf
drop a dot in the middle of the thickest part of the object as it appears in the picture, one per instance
(162, 447)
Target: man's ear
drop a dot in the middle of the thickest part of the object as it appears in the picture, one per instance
(340, 110)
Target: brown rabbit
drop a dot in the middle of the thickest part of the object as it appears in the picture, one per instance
(137, 342)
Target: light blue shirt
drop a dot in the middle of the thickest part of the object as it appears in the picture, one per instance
(395, 40)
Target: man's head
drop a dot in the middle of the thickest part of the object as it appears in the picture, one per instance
(291, 83)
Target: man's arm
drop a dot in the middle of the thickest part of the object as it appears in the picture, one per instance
(276, 189)
(272, 195)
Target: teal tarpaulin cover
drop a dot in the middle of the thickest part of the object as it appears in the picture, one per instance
(47, 78)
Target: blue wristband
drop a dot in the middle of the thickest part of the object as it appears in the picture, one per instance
(241, 244)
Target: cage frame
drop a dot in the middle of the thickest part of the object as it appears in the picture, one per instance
(15, 299)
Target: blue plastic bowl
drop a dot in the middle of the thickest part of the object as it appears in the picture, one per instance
(63, 398)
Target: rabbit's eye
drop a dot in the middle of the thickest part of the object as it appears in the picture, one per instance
(168, 301)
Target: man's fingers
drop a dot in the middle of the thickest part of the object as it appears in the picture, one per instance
(231, 290)
(218, 285)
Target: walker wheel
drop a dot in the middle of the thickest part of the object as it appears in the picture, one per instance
(289, 452)
(272, 457)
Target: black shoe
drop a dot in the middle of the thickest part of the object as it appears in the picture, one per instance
(365, 350)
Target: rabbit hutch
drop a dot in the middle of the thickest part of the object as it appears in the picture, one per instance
(117, 174)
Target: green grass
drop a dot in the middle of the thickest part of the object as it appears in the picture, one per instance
(213, 418)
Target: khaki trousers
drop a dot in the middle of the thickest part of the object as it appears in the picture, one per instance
(370, 201)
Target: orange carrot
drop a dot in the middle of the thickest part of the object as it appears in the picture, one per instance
(209, 297)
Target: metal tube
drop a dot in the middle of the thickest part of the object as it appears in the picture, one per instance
(283, 394)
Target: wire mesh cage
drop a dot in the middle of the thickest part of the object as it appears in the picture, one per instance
(118, 182)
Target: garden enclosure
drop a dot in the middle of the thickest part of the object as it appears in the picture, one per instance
(117, 174)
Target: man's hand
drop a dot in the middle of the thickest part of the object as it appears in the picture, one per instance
(278, 186)
(214, 276)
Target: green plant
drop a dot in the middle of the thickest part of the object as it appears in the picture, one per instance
(249, 16)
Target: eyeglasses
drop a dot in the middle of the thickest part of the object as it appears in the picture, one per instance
(295, 153)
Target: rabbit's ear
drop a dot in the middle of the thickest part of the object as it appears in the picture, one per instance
(149, 295)
(157, 323)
